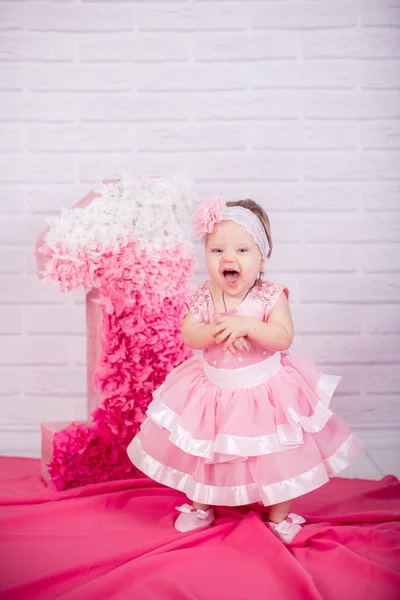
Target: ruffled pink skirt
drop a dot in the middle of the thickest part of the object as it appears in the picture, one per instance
(261, 433)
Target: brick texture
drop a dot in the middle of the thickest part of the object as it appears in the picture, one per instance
(293, 103)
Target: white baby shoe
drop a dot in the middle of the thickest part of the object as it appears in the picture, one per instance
(287, 529)
(192, 518)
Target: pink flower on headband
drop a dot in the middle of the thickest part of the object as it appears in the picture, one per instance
(205, 217)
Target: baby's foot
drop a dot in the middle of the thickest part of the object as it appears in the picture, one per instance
(287, 529)
(192, 518)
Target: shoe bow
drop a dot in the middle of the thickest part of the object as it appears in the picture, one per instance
(286, 526)
(186, 508)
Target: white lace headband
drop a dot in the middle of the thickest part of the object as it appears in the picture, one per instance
(214, 210)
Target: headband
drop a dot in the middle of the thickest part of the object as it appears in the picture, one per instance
(214, 210)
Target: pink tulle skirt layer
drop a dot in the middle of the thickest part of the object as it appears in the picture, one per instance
(263, 433)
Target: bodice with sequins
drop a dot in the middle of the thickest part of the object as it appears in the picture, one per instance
(258, 304)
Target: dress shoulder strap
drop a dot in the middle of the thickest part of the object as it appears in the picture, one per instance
(198, 303)
(268, 293)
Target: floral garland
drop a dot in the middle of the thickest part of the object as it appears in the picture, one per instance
(141, 289)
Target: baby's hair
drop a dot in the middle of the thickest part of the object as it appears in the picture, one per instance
(260, 214)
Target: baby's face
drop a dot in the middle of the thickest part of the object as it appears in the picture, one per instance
(233, 258)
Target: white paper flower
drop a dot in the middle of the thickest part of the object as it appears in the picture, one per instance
(154, 211)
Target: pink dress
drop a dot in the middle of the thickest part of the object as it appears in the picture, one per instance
(231, 431)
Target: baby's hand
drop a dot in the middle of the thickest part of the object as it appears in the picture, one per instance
(240, 345)
(230, 329)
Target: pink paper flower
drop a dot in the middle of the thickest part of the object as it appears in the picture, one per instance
(140, 298)
(205, 217)
(142, 304)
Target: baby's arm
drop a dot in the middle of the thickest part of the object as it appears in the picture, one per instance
(199, 336)
(195, 335)
(277, 333)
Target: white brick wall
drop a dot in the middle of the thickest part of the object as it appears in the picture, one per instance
(294, 103)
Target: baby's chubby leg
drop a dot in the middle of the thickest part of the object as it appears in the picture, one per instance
(200, 506)
(279, 512)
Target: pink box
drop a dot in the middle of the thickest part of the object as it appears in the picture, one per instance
(94, 320)
(48, 430)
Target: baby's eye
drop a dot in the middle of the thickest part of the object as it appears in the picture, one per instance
(243, 249)
(216, 250)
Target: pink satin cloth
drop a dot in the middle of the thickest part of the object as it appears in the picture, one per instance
(116, 540)
(231, 431)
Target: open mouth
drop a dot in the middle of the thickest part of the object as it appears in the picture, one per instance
(231, 275)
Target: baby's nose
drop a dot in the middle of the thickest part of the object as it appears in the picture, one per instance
(229, 254)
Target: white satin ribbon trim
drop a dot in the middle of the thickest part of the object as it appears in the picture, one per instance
(343, 456)
(237, 447)
(288, 434)
(245, 377)
(240, 495)
(292, 433)
(326, 387)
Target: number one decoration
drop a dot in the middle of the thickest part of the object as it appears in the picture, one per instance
(128, 244)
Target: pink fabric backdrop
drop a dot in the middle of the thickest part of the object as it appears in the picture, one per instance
(115, 541)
